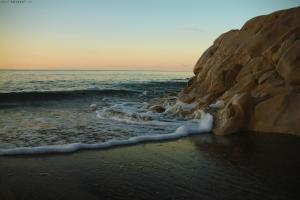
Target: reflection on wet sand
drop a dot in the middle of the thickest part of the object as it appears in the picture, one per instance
(242, 166)
(233, 148)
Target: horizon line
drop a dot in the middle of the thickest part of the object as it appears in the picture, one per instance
(154, 70)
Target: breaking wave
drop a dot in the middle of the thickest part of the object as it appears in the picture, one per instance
(202, 125)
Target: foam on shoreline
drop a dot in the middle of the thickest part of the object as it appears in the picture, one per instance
(188, 128)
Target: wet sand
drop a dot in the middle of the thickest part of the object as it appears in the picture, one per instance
(245, 166)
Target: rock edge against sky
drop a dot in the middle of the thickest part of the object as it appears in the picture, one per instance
(255, 71)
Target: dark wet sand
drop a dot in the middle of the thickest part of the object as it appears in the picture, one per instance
(246, 166)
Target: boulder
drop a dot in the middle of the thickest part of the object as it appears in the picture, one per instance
(235, 116)
(280, 113)
(256, 72)
(157, 108)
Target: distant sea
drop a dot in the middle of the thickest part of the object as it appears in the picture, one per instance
(63, 111)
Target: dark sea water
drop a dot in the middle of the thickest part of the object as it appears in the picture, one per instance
(63, 111)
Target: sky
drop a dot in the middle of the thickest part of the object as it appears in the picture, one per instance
(119, 34)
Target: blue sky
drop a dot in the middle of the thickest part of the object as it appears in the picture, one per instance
(119, 34)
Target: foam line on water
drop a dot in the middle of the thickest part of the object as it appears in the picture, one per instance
(190, 127)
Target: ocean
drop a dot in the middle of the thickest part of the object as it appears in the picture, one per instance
(64, 111)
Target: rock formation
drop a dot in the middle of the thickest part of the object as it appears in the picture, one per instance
(255, 71)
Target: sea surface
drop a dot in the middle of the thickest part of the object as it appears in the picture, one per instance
(64, 111)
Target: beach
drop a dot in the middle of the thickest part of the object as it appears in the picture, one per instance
(243, 166)
(149, 100)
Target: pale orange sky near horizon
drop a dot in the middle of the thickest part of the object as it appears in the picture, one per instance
(118, 35)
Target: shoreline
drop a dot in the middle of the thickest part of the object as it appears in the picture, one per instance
(123, 144)
(203, 125)
(202, 166)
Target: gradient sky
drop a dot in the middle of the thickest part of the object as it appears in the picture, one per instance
(119, 34)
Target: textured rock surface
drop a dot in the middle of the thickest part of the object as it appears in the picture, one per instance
(256, 72)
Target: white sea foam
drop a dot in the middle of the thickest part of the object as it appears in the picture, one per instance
(185, 106)
(180, 106)
(218, 104)
(128, 112)
(93, 107)
(204, 124)
(144, 93)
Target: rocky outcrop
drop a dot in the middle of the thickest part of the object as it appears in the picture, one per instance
(256, 72)
(157, 108)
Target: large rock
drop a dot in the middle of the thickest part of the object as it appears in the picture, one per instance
(235, 116)
(280, 113)
(256, 72)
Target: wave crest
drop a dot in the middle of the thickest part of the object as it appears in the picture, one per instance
(202, 125)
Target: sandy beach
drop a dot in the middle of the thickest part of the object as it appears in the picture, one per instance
(149, 100)
(245, 166)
